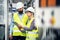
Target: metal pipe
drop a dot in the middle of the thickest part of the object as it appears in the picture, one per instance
(5, 18)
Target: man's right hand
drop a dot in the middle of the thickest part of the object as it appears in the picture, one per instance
(10, 37)
(18, 25)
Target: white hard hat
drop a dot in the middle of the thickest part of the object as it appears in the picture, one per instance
(30, 9)
(19, 5)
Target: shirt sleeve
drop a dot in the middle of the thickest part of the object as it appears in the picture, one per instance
(31, 27)
(11, 27)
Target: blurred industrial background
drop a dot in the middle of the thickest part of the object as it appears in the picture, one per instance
(44, 9)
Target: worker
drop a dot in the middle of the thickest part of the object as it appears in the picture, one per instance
(52, 20)
(31, 29)
(20, 18)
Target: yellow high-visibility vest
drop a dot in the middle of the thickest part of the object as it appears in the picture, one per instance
(16, 31)
(31, 35)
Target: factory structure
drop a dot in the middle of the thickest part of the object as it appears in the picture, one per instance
(45, 10)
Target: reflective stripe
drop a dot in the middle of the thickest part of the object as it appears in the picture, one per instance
(32, 32)
(16, 31)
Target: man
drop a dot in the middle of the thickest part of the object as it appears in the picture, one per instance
(19, 18)
(52, 20)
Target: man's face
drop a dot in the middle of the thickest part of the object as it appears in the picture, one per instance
(20, 9)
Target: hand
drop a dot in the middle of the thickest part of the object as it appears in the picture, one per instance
(10, 37)
(19, 26)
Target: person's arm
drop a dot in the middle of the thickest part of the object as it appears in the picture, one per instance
(32, 27)
(11, 27)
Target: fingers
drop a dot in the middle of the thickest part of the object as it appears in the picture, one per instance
(10, 37)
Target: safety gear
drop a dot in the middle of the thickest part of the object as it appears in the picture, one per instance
(19, 5)
(31, 35)
(16, 31)
(30, 9)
